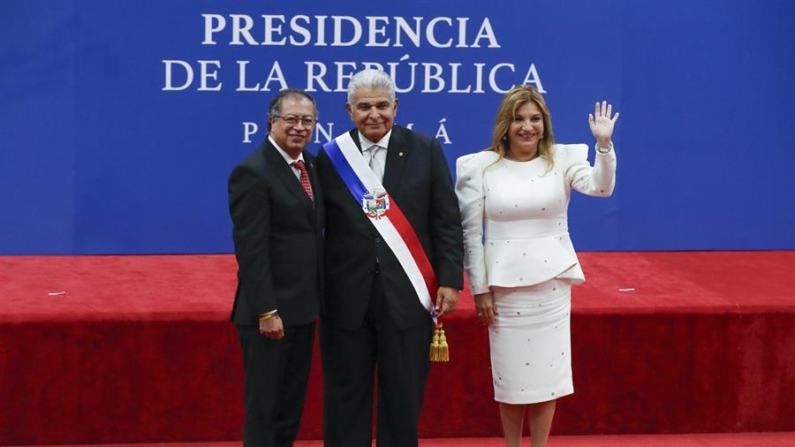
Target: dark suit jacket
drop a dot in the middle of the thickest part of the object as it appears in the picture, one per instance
(418, 179)
(278, 239)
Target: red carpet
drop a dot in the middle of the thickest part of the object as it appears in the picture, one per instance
(121, 349)
(781, 439)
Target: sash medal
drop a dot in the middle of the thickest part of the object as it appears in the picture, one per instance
(390, 222)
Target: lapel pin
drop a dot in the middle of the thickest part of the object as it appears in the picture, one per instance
(400, 154)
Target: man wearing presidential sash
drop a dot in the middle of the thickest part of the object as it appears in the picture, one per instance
(393, 263)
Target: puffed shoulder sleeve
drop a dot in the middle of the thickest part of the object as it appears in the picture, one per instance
(472, 201)
(598, 180)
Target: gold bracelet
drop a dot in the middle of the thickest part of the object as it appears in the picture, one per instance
(267, 317)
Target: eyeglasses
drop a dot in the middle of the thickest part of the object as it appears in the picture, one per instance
(293, 120)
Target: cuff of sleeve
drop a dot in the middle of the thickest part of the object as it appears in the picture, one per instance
(477, 290)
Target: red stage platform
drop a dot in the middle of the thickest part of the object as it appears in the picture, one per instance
(126, 349)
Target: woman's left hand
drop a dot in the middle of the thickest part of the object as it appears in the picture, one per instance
(602, 123)
(484, 306)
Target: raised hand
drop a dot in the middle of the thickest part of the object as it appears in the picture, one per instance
(602, 123)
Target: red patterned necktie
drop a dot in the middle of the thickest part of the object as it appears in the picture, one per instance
(304, 178)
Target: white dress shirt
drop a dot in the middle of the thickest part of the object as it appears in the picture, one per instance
(377, 163)
(289, 160)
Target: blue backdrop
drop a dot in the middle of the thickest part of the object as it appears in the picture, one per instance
(120, 121)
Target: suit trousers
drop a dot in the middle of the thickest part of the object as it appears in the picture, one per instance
(277, 373)
(350, 359)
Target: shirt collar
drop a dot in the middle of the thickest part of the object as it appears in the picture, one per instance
(285, 155)
(383, 142)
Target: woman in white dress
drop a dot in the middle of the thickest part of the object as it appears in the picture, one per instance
(519, 257)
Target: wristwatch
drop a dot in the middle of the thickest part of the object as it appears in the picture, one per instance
(604, 150)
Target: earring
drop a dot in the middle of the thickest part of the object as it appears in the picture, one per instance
(505, 137)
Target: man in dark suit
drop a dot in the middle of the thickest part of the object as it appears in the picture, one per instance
(276, 206)
(372, 317)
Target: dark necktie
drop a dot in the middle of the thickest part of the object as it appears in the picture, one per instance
(304, 178)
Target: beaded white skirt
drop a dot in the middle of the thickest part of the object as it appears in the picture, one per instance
(531, 343)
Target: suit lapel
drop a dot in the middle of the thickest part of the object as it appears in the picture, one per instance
(396, 157)
(311, 169)
(355, 137)
(285, 174)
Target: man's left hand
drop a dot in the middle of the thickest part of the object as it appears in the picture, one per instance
(446, 299)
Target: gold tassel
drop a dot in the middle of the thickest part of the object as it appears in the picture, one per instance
(444, 350)
(440, 351)
(435, 346)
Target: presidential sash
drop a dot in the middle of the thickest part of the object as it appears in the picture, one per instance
(384, 213)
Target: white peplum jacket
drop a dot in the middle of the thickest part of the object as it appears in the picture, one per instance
(515, 218)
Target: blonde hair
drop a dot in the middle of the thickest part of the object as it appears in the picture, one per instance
(511, 102)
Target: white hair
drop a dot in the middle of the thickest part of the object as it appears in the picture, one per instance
(371, 78)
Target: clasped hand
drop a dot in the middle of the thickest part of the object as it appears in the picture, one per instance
(272, 328)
